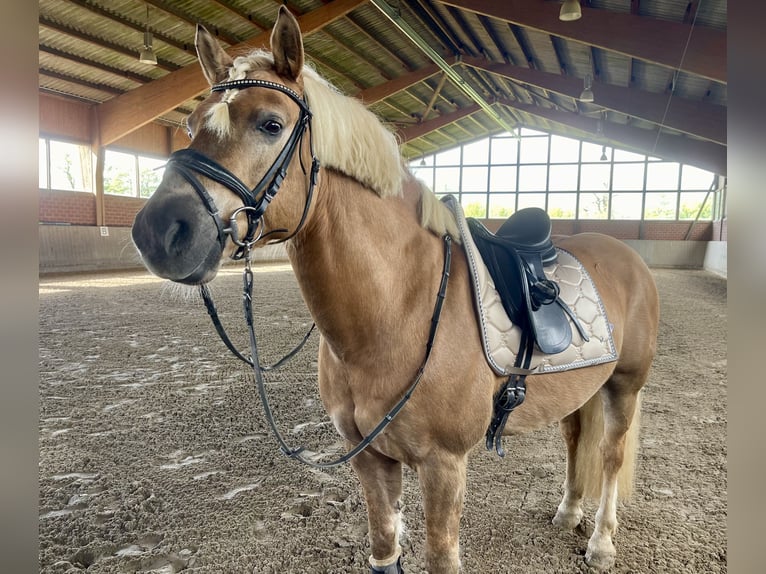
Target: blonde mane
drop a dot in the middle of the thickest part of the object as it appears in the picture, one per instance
(347, 137)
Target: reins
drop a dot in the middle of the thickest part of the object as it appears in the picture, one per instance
(258, 369)
(255, 202)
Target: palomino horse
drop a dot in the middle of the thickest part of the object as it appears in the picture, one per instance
(365, 240)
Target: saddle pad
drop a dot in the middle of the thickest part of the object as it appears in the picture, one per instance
(501, 338)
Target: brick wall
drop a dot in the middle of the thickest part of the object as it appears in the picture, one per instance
(121, 211)
(74, 207)
(79, 208)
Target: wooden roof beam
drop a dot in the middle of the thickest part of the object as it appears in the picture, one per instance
(423, 128)
(700, 119)
(128, 112)
(657, 41)
(702, 154)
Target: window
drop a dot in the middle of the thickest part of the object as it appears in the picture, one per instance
(502, 178)
(567, 177)
(150, 172)
(42, 162)
(562, 178)
(626, 205)
(476, 153)
(660, 205)
(564, 150)
(562, 205)
(533, 177)
(505, 151)
(474, 179)
(70, 166)
(534, 150)
(119, 173)
(131, 175)
(628, 176)
(662, 175)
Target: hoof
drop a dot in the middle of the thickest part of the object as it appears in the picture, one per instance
(600, 558)
(395, 568)
(567, 520)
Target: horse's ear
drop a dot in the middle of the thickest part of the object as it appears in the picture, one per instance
(287, 45)
(212, 58)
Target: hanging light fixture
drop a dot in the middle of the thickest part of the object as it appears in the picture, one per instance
(146, 56)
(570, 10)
(603, 154)
(587, 94)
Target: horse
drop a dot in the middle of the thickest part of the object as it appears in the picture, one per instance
(366, 241)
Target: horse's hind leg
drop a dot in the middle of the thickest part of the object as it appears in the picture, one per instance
(569, 512)
(381, 480)
(620, 399)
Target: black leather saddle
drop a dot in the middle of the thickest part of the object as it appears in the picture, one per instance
(515, 257)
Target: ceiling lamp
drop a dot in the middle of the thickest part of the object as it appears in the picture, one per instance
(587, 94)
(603, 154)
(146, 56)
(570, 10)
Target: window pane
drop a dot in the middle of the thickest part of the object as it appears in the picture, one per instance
(449, 157)
(530, 132)
(502, 205)
(626, 205)
(662, 175)
(594, 206)
(474, 204)
(476, 153)
(622, 155)
(70, 166)
(660, 205)
(628, 176)
(42, 163)
(150, 174)
(690, 205)
(562, 178)
(696, 178)
(119, 173)
(534, 150)
(532, 177)
(447, 180)
(564, 150)
(594, 176)
(474, 179)
(502, 178)
(562, 205)
(531, 200)
(504, 150)
(592, 152)
(424, 174)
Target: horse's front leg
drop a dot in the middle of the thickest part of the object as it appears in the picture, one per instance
(381, 479)
(442, 484)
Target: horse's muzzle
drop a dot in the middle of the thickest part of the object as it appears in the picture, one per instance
(177, 238)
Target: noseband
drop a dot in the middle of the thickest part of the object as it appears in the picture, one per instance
(256, 200)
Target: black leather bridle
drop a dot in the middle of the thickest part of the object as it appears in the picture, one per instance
(255, 200)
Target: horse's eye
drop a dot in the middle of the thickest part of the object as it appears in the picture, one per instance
(189, 133)
(271, 127)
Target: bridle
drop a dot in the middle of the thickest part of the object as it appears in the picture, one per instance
(255, 200)
(187, 162)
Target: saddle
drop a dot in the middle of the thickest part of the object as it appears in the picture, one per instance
(515, 257)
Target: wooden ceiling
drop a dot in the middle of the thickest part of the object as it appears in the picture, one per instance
(440, 72)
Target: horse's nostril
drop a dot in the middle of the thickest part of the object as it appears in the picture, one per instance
(177, 237)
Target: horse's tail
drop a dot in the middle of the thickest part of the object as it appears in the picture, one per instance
(589, 468)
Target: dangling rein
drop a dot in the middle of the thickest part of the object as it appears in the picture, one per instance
(258, 369)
